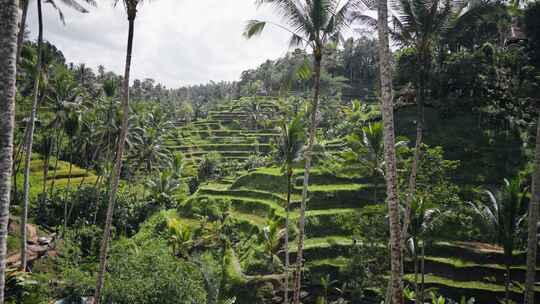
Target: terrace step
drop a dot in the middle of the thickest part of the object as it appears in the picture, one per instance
(259, 148)
(476, 252)
(223, 132)
(343, 195)
(483, 293)
(461, 270)
(323, 247)
(331, 266)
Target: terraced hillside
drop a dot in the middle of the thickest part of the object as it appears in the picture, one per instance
(454, 269)
(59, 175)
(335, 203)
(228, 131)
(258, 197)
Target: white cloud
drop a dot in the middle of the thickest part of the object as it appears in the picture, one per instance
(177, 42)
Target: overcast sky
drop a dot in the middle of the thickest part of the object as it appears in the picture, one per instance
(177, 42)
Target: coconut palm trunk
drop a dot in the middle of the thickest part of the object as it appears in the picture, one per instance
(415, 258)
(390, 154)
(423, 271)
(317, 54)
(532, 240)
(68, 187)
(415, 163)
(8, 72)
(115, 176)
(46, 163)
(59, 139)
(508, 278)
(20, 35)
(286, 245)
(30, 140)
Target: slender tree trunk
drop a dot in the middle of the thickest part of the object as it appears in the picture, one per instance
(115, 176)
(17, 162)
(307, 158)
(8, 72)
(422, 270)
(29, 142)
(68, 184)
(415, 257)
(58, 146)
(98, 198)
(532, 241)
(414, 172)
(286, 245)
(45, 174)
(20, 35)
(390, 154)
(507, 284)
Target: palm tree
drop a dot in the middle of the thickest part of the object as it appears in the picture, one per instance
(131, 9)
(290, 146)
(420, 25)
(253, 107)
(271, 235)
(385, 69)
(31, 122)
(64, 97)
(423, 215)
(24, 6)
(22, 27)
(72, 128)
(30, 139)
(147, 142)
(315, 24)
(181, 237)
(504, 211)
(532, 242)
(8, 73)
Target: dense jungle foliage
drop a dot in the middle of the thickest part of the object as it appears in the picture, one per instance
(274, 188)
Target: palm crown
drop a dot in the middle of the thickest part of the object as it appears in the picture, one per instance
(314, 23)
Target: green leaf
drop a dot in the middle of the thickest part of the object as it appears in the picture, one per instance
(304, 71)
(253, 28)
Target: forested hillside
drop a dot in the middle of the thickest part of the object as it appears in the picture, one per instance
(399, 165)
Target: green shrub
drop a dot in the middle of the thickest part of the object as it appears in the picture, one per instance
(208, 167)
(151, 274)
(213, 208)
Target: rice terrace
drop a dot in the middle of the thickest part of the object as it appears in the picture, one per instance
(269, 151)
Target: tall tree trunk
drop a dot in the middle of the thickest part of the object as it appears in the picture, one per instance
(307, 157)
(422, 270)
(68, 183)
(414, 171)
(415, 257)
(98, 198)
(30, 139)
(20, 35)
(286, 245)
(508, 279)
(390, 154)
(55, 170)
(45, 174)
(532, 241)
(115, 176)
(8, 72)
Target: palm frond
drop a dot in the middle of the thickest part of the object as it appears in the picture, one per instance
(295, 41)
(58, 10)
(75, 5)
(304, 71)
(294, 13)
(365, 20)
(254, 28)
